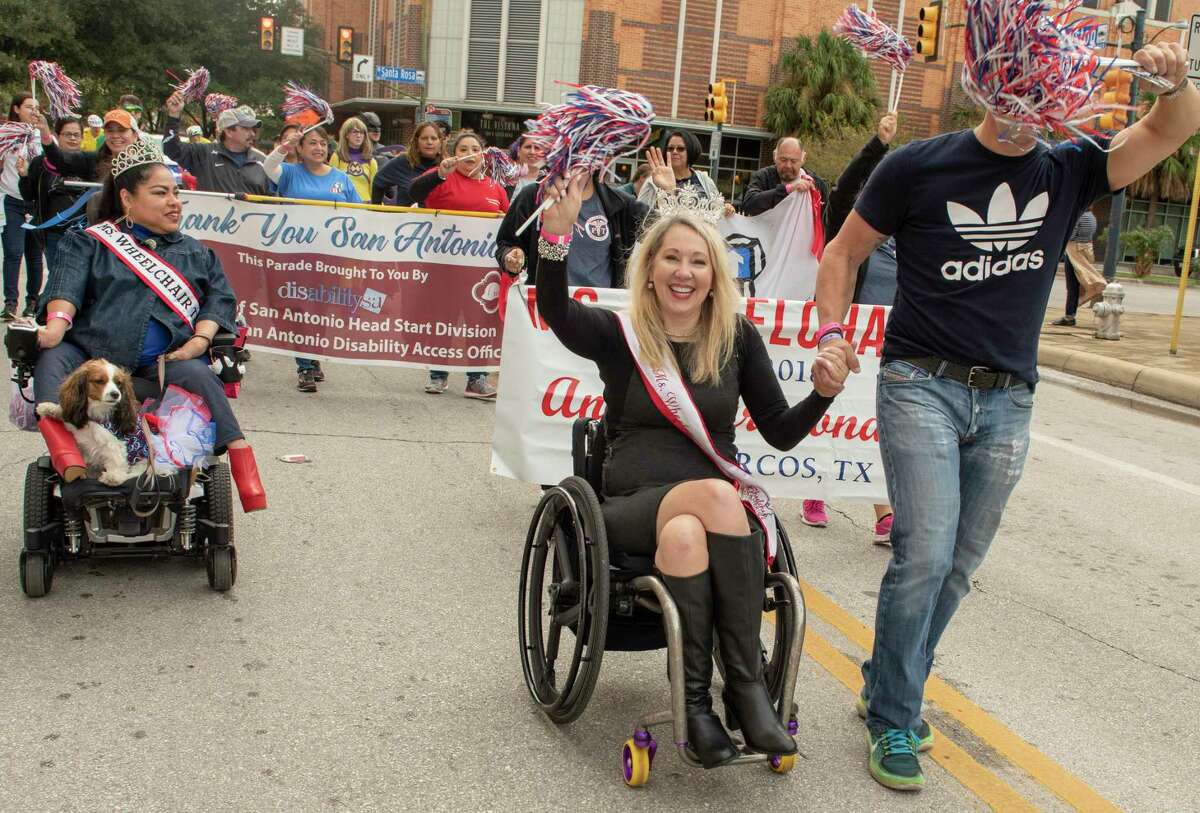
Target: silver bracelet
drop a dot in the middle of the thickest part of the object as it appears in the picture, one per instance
(556, 252)
(1178, 89)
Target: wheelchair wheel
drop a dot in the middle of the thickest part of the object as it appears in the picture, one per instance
(221, 564)
(563, 599)
(220, 556)
(37, 566)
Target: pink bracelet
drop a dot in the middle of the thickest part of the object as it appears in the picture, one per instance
(66, 317)
(556, 239)
(830, 328)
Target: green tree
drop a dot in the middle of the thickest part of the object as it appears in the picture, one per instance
(826, 89)
(1170, 180)
(128, 48)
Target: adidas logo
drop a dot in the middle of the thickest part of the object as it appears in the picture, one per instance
(1001, 230)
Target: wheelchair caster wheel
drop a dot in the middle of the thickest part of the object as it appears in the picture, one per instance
(636, 759)
(37, 573)
(221, 564)
(783, 764)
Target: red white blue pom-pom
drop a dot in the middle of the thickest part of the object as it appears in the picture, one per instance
(61, 89)
(875, 39)
(298, 100)
(18, 137)
(592, 128)
(194, 87)
(1029, 63)
(218, 103)
(499, 165)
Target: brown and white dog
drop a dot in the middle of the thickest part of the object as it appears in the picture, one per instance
(99, 395)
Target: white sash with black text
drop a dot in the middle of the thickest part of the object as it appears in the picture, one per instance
(167, 283)
(671, 397)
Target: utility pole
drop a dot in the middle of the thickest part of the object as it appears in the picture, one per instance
(1117, 211)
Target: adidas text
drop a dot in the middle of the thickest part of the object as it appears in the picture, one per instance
(984, 266)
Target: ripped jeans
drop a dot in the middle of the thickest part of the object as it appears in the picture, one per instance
(952, 456)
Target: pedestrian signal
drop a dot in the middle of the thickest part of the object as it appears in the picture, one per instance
(266, 33)
(716, 106)
(345, 44)
(929, 30)
(1118, 90)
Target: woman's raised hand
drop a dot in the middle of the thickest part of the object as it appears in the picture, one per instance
(660, 171)
(174, 105)
(567, 199)
(446, 167)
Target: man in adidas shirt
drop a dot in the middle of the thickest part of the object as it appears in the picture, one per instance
(979, 224)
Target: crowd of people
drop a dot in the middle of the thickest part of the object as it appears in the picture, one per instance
(954, 394)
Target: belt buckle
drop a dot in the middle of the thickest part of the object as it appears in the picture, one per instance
(979, 371)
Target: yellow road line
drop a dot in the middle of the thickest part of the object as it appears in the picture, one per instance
(998, 736)
(990, 789)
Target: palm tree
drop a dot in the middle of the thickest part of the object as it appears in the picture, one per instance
(1170, 180)
(825, 90)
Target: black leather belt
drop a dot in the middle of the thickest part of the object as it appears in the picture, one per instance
(975, 377)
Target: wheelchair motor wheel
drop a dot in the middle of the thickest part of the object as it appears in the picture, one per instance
(41, 514)
(221, 564)
(563, 599)
(214, 520)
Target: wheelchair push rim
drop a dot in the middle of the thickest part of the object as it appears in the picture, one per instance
(564, 589)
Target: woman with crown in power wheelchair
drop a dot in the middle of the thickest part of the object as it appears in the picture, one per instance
(674, 368)
(133, 290)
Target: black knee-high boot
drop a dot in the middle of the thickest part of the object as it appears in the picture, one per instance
(706, 736)
(738, 570)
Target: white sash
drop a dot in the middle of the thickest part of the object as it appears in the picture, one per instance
(167, 283)
(672, 398)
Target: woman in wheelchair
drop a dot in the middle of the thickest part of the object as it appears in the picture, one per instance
(663, 496)
(133, 289)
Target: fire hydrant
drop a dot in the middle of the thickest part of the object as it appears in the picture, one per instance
(1108, 313)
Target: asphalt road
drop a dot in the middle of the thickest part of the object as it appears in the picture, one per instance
(1140, 297)
(367, 659)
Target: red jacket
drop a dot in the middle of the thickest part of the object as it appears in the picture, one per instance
(458, 193)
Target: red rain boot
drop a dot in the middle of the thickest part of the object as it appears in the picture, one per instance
(245, 475)
(64, 452)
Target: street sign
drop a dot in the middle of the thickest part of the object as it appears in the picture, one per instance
(714, 151)
(291, 41)
(408, 76)
(1098, 37)
(363, 69)
(1194, 50)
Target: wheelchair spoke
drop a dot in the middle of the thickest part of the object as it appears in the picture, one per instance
(567, 617)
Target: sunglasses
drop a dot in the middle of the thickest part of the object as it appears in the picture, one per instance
(132, 108)
(676, 149)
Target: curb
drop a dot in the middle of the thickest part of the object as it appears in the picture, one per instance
(1150, 381)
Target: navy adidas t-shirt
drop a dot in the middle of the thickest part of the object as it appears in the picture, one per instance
(978, 239)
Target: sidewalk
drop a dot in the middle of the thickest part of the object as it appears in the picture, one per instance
(1139, 361)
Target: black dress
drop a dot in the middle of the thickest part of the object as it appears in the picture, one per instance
(647, 456)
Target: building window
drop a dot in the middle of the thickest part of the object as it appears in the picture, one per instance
(504, 41)
(1158, 10)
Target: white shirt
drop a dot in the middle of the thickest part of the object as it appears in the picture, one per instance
(9, 179)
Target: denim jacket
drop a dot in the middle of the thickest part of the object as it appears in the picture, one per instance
(114, 306)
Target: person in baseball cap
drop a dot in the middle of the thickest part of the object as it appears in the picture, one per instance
(92, 133)
(229, 165)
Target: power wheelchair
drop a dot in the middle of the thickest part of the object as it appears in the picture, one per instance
(187, 512)
(579, 597)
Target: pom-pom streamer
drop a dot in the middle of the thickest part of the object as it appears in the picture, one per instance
(594, 127)
(500, 167)
(193, 88)
(218, 103)
(875, 39)
(299, 100)
(62, 91)
(18, 137)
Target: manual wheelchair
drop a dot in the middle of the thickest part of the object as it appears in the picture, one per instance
(576, 596)
(188, 512)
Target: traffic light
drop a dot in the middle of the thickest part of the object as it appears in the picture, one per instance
(716, 106)
(1117, 91)
(929, 30)
(345, 44)
(266, 33)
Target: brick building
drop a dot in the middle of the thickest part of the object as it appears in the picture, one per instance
(491, 63)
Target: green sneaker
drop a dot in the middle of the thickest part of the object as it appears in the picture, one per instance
(893, 762)
(923, 734)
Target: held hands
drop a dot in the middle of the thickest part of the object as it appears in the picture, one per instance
(660, 171)
(560, 218)
(887, 128)
(174, 105)
(834, 362)
(192, 348)
(1167, 60)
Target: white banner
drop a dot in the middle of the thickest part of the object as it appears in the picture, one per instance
(760, 244)
(544, 388)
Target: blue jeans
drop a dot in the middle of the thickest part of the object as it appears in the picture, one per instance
(51, 238)
(20, 242)
(952, 456)
(442, 375)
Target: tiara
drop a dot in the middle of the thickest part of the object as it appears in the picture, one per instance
(689, 199)
(142, 151)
